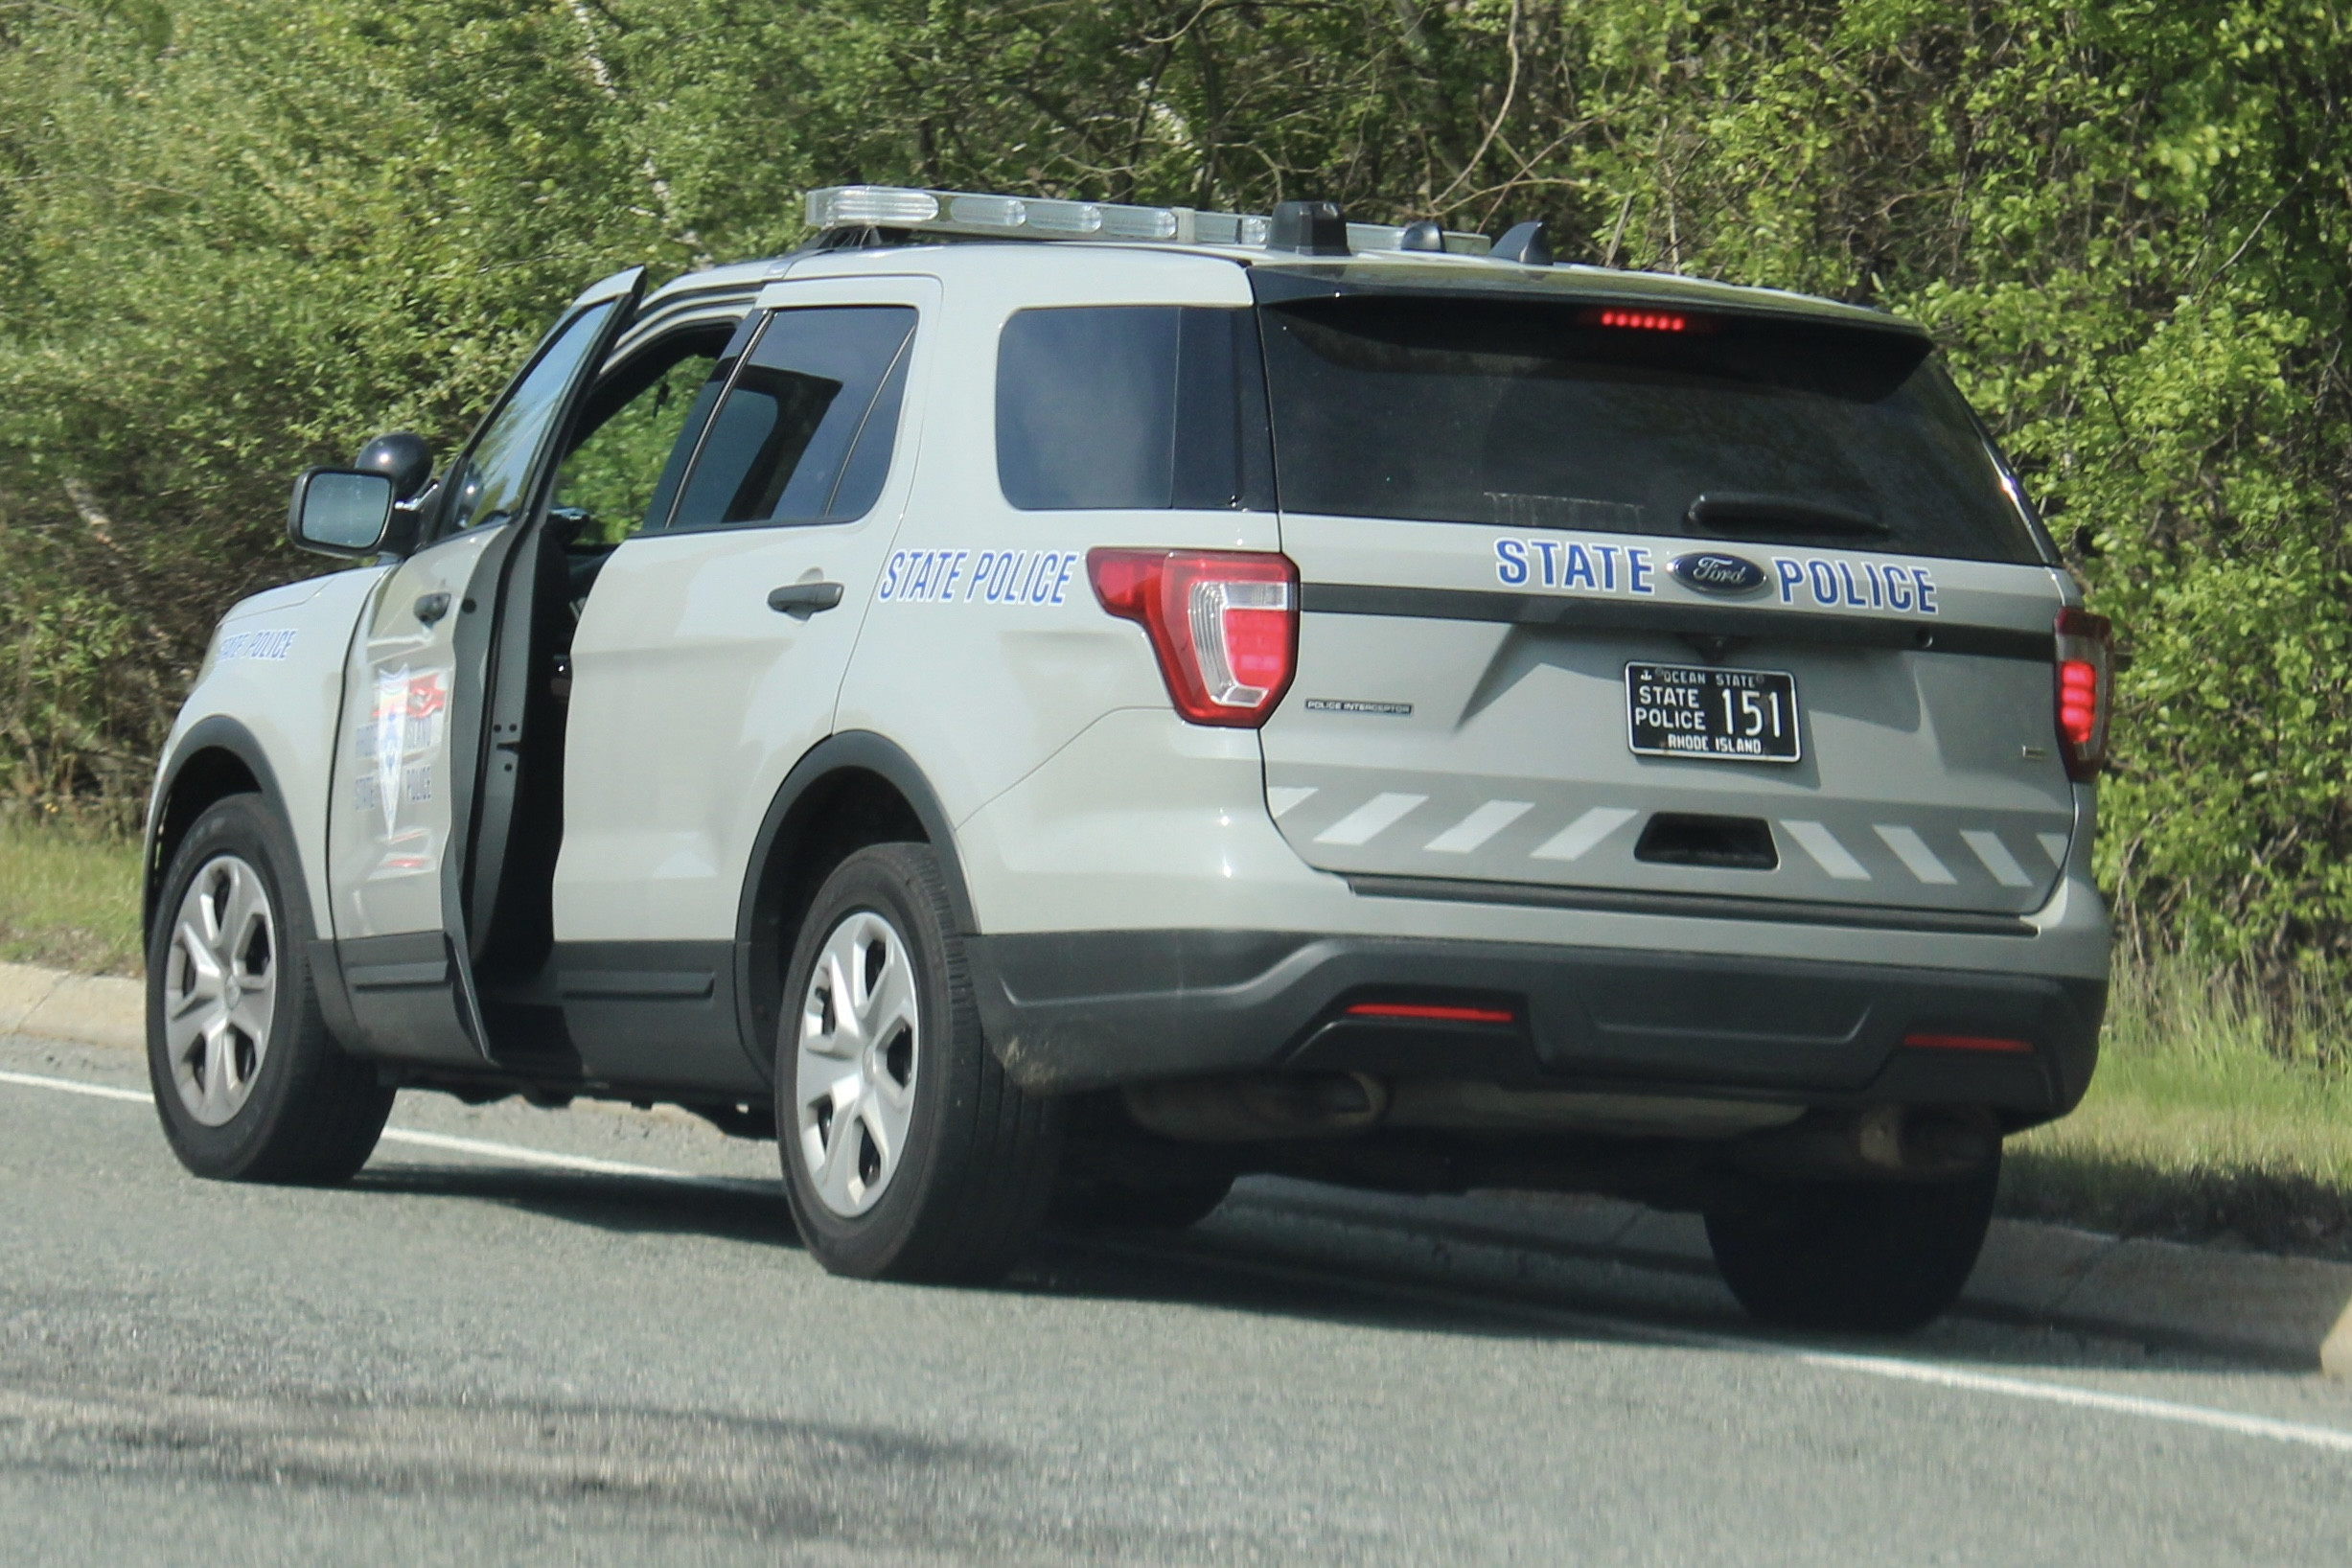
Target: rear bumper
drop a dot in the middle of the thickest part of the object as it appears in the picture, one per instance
(1078, 1010)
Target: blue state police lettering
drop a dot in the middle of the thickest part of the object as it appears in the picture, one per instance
(1855, 585)
(994, 577)
(1585, 566)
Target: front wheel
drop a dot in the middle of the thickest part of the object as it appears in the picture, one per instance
(908, 1153)
(1874, 1257)
(248, 1082)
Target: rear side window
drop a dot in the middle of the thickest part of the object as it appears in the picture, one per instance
(1544, 415)
(1146, 407)
(805, 432)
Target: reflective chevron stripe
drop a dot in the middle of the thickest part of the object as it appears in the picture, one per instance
(1368, 820)
(1826, 852)
(1913, 851)
(1997, 857)
(1281, 797)
(1479, 826)
(1573, 841)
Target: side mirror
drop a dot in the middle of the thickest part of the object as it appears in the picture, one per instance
(341, 512)
(405, 458)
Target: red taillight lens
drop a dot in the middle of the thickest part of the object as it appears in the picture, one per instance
(1995, 1045)
(1427, 1012)
(2086, 690)
(1223, 624)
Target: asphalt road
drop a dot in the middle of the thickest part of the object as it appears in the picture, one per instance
(492, 1349)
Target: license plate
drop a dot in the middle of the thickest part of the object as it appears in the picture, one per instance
(1689, 710)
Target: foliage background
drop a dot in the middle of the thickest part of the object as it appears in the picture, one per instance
(241, 236)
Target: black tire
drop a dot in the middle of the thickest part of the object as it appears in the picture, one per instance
(1867, 1257)
(305, 1112)
(977, 1156)
(1092, 1201)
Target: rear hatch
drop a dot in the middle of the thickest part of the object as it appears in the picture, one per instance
(1605, 600)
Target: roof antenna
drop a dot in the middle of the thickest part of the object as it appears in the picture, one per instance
(1524, 243)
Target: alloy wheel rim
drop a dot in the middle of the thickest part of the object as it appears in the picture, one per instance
(220, 989)
(859, 1044)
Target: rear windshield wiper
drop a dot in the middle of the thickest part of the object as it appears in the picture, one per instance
(1731, 512)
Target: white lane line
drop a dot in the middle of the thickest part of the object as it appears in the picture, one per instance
(1368, 820)
(1479, 826)
(1940, 1375)
(444, 1142)
(1997, 857)
(69, 1086)
(1573, 842)
(1913, 851)
(1826, 852)
(1893, 1369)
(522, 1156)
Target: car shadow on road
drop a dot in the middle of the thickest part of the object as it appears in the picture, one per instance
(724, 1210)
(1310, 1277)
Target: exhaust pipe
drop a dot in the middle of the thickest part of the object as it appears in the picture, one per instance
(1905, 1143)
(1248, 1109)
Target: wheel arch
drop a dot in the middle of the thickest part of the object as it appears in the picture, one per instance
(850, 789)
(216, 758)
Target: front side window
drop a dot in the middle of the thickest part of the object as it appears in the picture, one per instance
(492, 479)
(806, 430)
(1147, 407)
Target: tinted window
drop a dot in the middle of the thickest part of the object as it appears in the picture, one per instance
(491, 478)
(1130, 406)
(805, 411)
(1537, 415)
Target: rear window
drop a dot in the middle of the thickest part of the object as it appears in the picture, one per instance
(1144, 407)
(1530, 414)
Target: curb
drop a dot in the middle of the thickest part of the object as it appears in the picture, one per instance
(51, 1004)
(2286, 1312)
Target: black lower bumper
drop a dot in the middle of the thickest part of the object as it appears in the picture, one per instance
(1069, 1011)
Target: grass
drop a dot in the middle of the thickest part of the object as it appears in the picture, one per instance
(69, 896)
(2210, 1120)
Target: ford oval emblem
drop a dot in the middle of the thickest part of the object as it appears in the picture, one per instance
(1712, 573)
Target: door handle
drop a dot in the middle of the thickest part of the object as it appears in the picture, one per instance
(431, 607)
(802, 600)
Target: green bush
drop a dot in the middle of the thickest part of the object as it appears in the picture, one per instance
(238, 237)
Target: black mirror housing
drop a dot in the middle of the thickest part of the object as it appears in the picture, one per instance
(341, 512)
(404, 457)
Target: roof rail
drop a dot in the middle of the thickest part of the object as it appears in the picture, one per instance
(1310, 227)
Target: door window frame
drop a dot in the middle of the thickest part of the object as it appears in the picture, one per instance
(902, 291)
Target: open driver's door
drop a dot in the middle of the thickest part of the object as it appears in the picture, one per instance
(410, 762)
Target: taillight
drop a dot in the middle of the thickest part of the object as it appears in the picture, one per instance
(1224, 625)
(2086, 690)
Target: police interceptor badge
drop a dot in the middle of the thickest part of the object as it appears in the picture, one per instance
(1689, 710)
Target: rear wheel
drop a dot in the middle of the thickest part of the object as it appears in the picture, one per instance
(248, 1082)
(908, 1153)
(1876, 1257)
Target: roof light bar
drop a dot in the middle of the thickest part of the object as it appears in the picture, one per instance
(984, 216)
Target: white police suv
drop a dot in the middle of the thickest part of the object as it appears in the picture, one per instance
(1058, 726)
